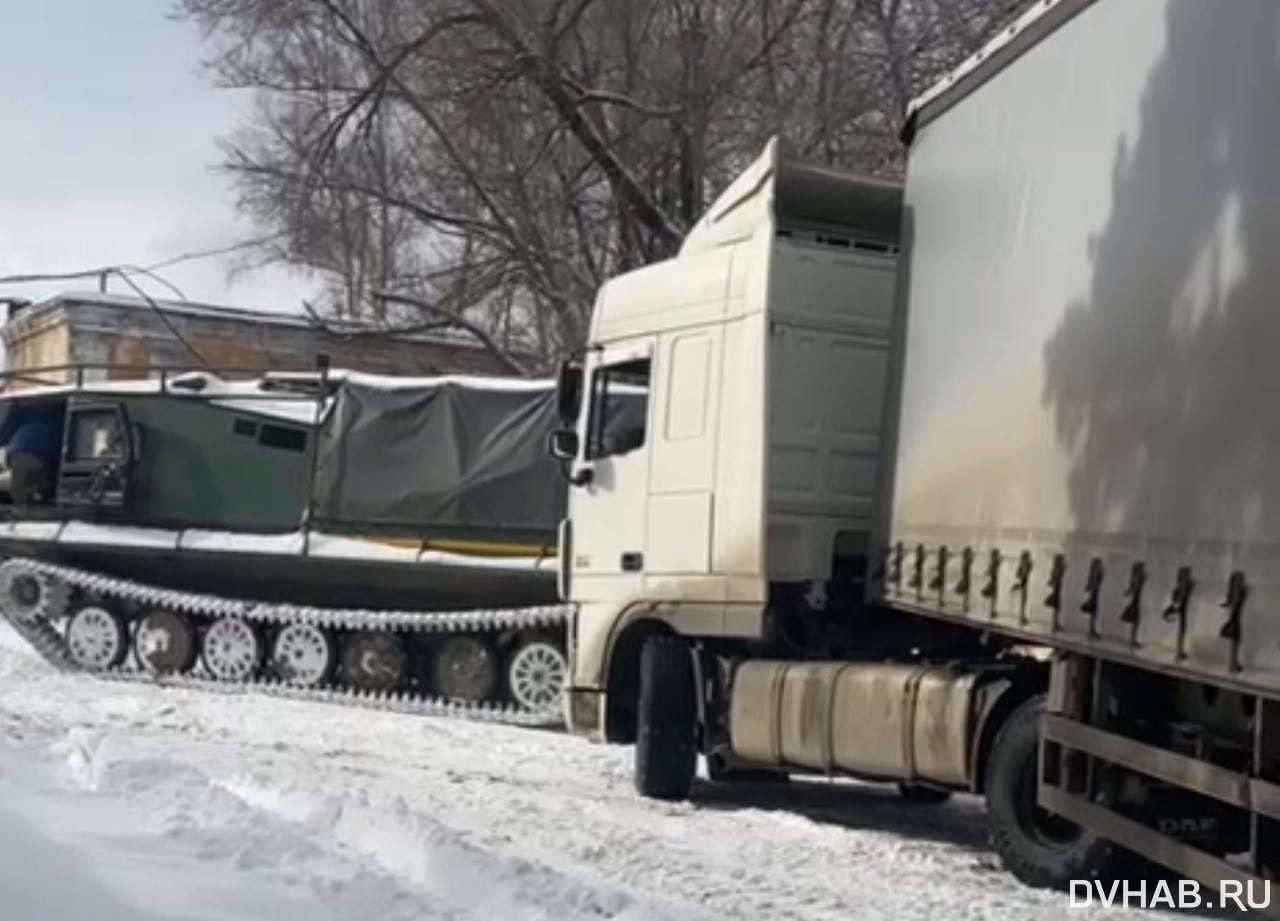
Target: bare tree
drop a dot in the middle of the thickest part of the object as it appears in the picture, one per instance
(491, 162)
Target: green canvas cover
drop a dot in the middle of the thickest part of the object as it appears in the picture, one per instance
(461, 458)
(451, 457)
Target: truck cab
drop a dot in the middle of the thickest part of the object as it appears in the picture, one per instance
(693, 512)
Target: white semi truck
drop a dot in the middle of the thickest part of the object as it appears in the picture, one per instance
(971, 484)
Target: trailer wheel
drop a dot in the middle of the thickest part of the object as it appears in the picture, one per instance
(665, 756)
(1037, 847)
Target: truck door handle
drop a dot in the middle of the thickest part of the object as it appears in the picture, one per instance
(632, 561)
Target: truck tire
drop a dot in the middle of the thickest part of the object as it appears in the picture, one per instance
(665, 753)
(1040, 849)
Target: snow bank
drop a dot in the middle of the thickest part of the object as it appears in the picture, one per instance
(370, 815)
(426, 854)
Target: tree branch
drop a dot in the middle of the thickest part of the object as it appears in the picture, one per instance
(481, 334)
(545, 74)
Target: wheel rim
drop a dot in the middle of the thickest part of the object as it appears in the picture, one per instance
(95, 638)
(536, 674)
(231, 650)
(303, 655)
(374, 662)
(464, 669)
(165, 642)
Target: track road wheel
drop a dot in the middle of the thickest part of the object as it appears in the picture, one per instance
(464, 668)
(96, 638)
(919, 795)
(1039, 848)
(232, 650)
(164, 642)
(28, 595)
(303, 655)
(536, 671)
(374, 661)
(665, 753)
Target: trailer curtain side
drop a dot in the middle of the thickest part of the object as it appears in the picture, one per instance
(1089, 446)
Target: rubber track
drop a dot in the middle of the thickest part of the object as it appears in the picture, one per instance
(50, 644)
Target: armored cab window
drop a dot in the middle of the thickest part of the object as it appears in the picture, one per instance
(619, 409)
(98, 452)
(96, 435)
(282, 438)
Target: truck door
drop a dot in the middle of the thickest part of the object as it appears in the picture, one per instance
(683, 453)
(608, 510)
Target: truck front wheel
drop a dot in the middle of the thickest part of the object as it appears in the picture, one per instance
(665, 752)
(1037, 847)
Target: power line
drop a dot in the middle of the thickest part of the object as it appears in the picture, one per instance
(37, 277)
(164, 317)
(217, 251)
(158, 279)
(125, 273)
(147, 270)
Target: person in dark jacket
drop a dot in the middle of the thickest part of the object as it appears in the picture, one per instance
(32, 454)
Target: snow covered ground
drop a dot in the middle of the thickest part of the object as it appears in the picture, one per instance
(125, 803)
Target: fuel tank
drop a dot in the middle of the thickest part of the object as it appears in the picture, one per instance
(874, 720)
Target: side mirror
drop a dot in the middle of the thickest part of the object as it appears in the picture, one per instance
(569, 390)
(562, 444)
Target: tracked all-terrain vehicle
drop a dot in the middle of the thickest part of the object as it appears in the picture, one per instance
(329, 535)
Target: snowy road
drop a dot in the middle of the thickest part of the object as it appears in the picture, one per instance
(138, 804)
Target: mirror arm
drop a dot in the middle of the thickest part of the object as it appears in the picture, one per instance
(580, 477)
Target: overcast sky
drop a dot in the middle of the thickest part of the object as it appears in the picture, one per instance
(107, 150)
